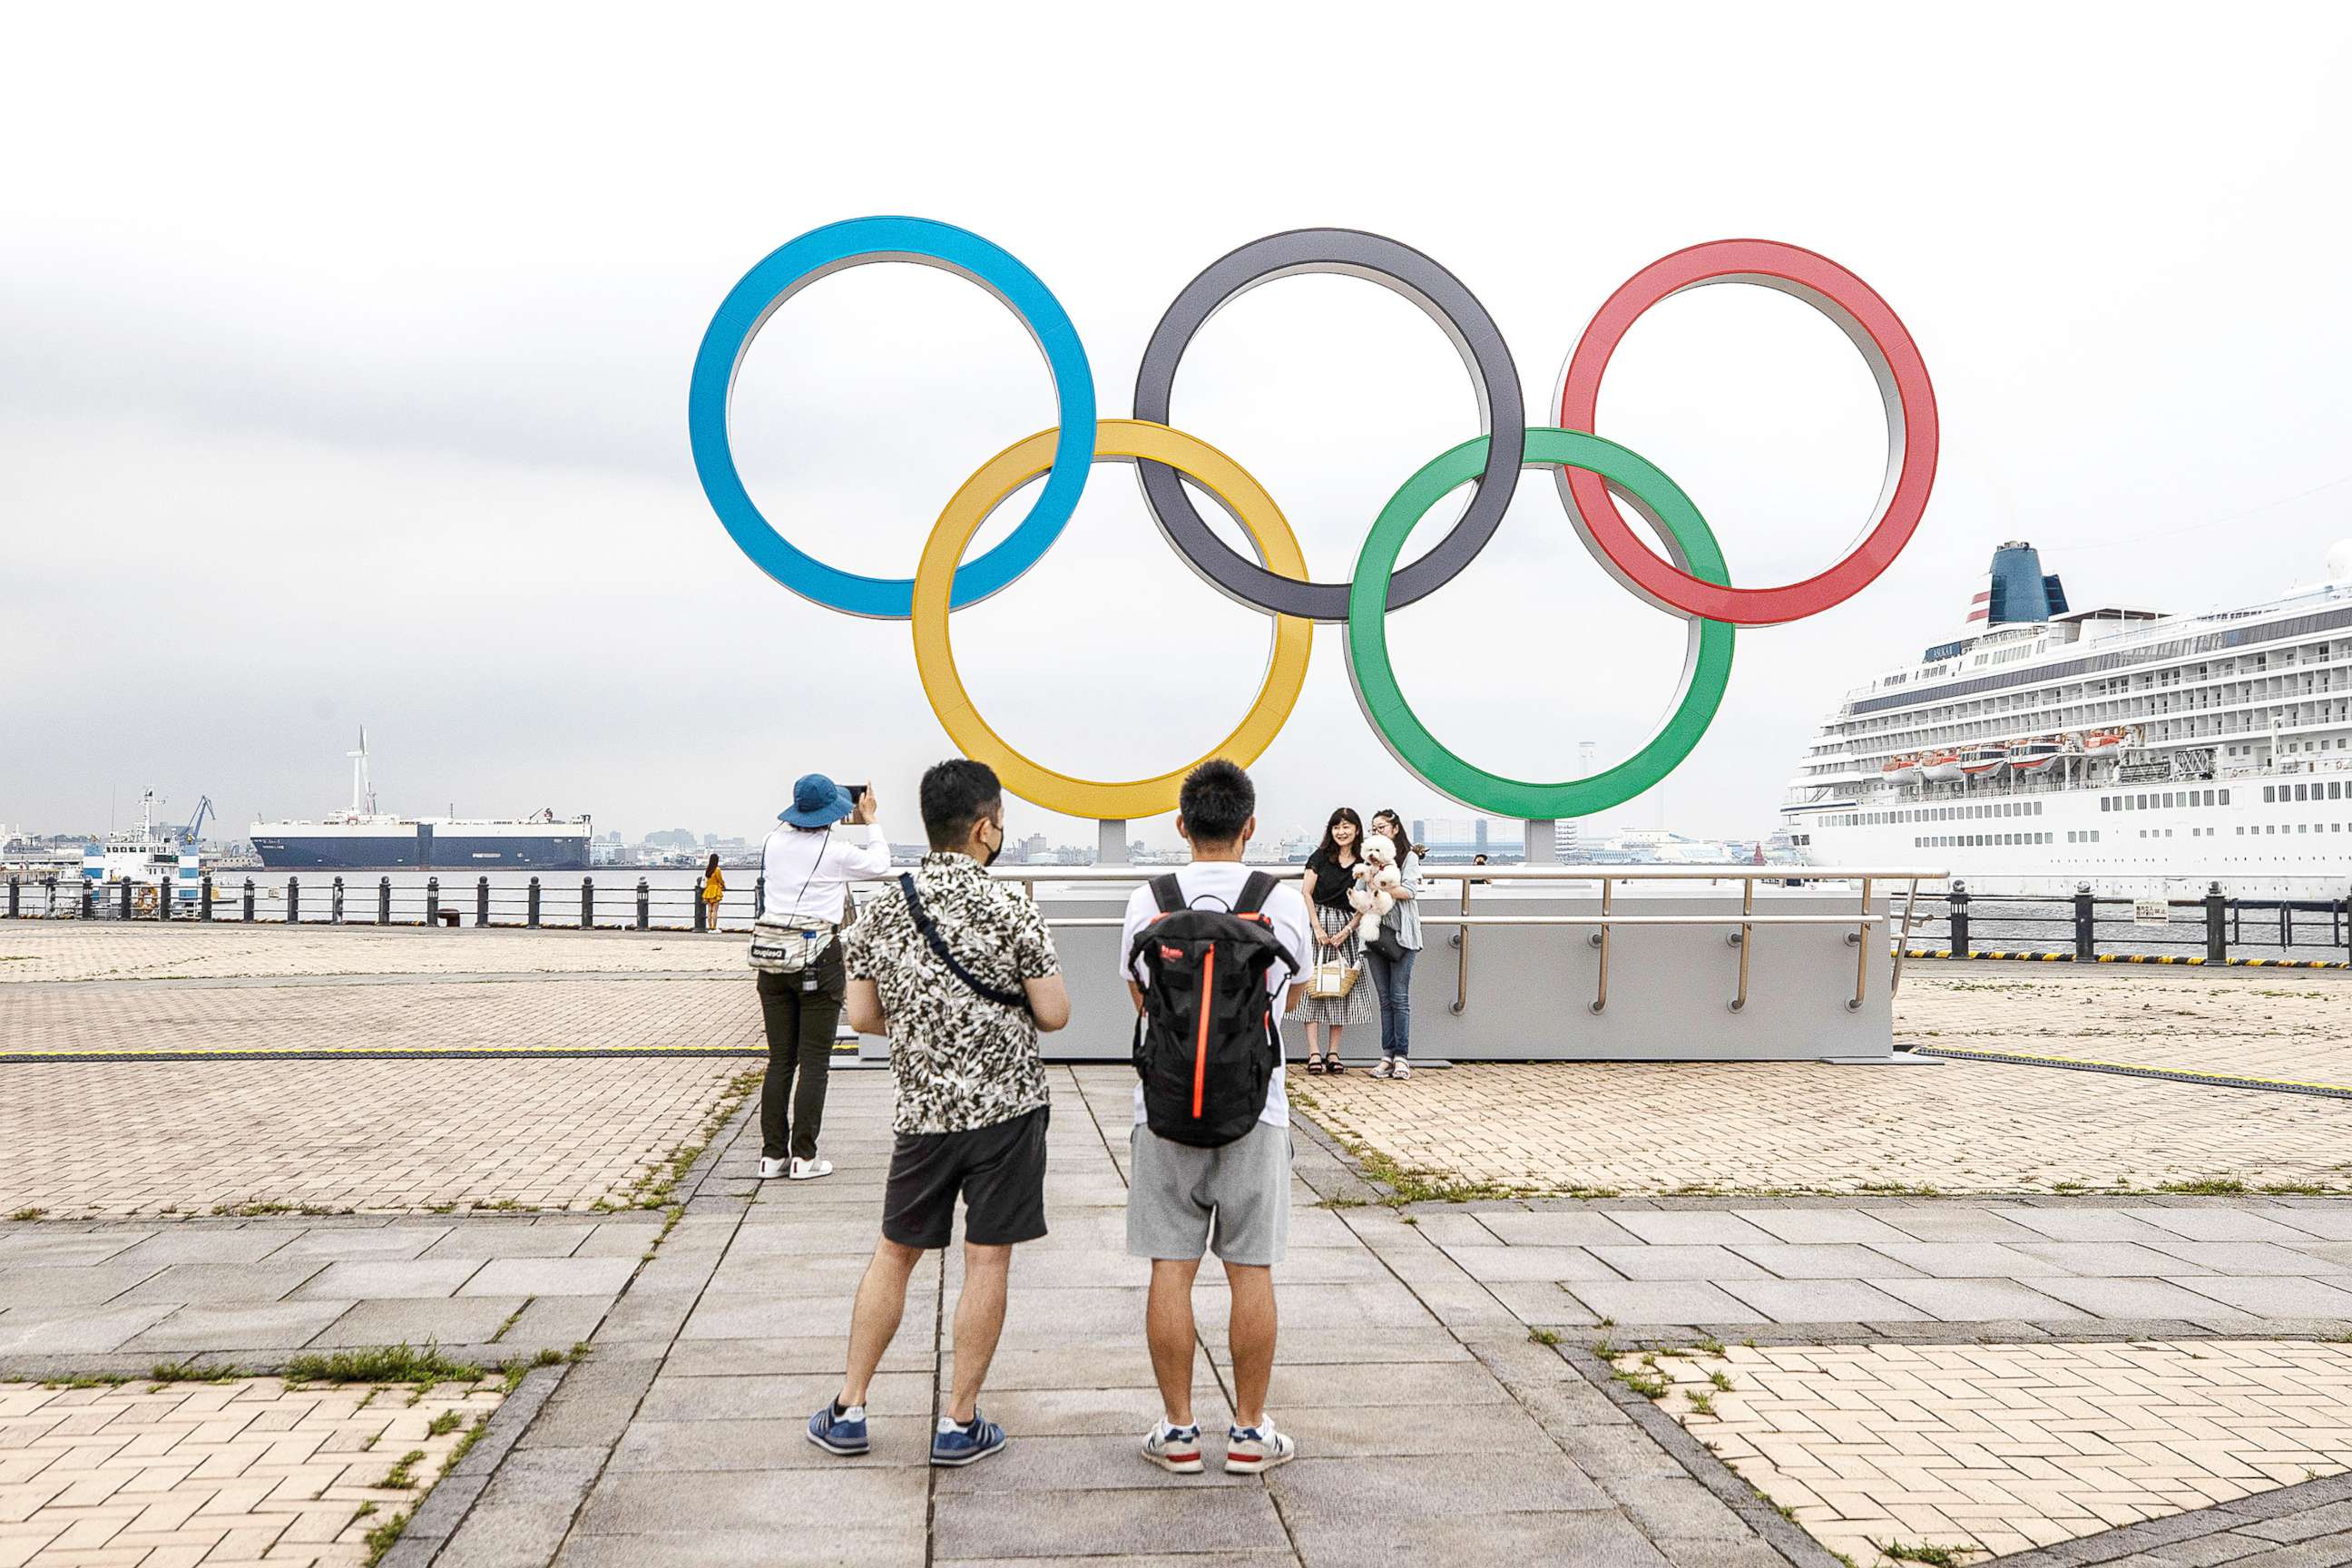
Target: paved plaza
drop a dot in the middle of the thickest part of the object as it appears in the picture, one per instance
(1994, 1366)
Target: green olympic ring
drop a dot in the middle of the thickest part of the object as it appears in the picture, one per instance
(1707, 664)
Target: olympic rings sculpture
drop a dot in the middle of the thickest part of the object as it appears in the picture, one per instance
(1593, 474)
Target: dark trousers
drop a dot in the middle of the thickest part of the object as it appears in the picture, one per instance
(801, 1026)
(1392, 984)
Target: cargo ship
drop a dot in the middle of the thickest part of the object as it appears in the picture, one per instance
(361, 838)
(2114, 747)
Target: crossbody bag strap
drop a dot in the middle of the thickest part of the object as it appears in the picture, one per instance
(938, 945)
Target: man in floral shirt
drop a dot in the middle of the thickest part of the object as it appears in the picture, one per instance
(958, 969)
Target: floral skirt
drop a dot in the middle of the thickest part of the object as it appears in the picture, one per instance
(1358, 1007)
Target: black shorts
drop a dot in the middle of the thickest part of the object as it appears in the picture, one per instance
(1000, 1169)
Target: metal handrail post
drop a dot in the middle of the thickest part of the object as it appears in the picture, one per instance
(1600, 997)
(1462, 960)
(1895, 975)
(1861, 951)
(1746, 940)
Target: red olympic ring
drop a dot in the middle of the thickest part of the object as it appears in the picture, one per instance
(1911, 435)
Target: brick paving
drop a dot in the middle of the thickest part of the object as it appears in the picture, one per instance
(32, 950)
(1949, 1127)
(2001, 1448)
(148, 1475)
(157, 1139)
(2259, 1023)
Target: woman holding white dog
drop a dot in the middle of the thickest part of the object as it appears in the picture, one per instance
(1330, 888)
(1387, 957)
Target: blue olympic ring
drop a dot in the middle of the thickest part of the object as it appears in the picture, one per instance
(794, 266)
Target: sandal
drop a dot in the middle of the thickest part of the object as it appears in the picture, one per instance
(1334, 1064)
(1314, 1064)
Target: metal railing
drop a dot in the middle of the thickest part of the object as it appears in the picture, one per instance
(2086, 927)
(555, 903)
(1604, 920)
(559, 904)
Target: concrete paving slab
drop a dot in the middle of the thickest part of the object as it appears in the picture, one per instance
(850, 1499)
(225, 1283)
(28, 1243)
(2108, 1296)
(675, 1399)
(272, 1325)
(1679, 1262)
(375, 1278)
(1553, 1228)
(1968, 1259)
(1824, 1225)
(522, 1238)
(2220, 1224)
(2269, 1296)
(1956, 1222)
(899, 1545)
(2239, 1258)
(2116, 1259)
(1497, 1264)
(416, 1320)
(70, 1284)
(1363, 1490)
(1979, 1301)
(989, 1526)
(379, 1242)
(550, 1277)
(2089, 1224)
(1688, 1226)
(1822, 1301)
(1690, 1302)
(780, 1443)
(1821, 1260)
(1095, 1412)
(75, 1330)
(205, 1244)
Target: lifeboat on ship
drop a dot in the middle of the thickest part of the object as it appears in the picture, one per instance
(2035, 757)
(1940, 767)
(2097, 742)
(1982, 762)
(1901, 771)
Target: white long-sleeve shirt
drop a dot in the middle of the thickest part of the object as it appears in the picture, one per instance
(809, 872)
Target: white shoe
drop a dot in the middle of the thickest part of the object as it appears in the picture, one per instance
(1252, 1449)
(809, 1170)
(1382, 1070)
(771, 1169)
(1401, 1070)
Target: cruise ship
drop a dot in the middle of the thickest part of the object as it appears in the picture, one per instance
(363, 838)
(2139, 753)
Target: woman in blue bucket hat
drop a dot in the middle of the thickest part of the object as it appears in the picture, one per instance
(826, 839)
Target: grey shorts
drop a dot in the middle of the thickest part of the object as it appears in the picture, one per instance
(1175, 1192)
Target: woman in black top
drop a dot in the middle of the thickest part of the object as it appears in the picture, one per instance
(1330, 874)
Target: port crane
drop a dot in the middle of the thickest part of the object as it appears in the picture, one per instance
(190, 835)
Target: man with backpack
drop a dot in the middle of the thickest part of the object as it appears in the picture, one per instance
(959, 970)
(1207, 953)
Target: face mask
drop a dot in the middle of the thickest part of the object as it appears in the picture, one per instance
(998, 850)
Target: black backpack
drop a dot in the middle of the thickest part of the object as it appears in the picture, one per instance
(1205, 1045)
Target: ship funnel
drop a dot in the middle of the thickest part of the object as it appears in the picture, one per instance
(2015, 589)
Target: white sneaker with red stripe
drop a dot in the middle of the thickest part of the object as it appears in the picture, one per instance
(1176, 1449)
(1249, 1449)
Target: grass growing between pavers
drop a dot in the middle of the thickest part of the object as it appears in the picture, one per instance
(320, 1442)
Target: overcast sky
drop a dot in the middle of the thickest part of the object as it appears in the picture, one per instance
(343, 359)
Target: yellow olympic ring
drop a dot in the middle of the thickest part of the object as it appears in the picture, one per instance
(1115, 440)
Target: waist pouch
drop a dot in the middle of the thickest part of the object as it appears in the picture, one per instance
(780, 948)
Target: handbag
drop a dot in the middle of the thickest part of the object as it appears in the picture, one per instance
(1332, 979)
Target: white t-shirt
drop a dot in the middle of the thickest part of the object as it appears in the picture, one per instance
(809, 873)
(1216, 884)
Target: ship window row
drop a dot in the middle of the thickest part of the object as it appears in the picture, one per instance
(1939, 814)
(2294, 828)
(2166, 800)
(2208, 643)
(1981, 840)
(2082, 835)
(2273, 793)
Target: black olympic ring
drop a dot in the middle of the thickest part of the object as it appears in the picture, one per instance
(1406, 272)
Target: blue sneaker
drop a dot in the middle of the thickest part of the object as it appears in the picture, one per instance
(842, 1434)
(957, 1445)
